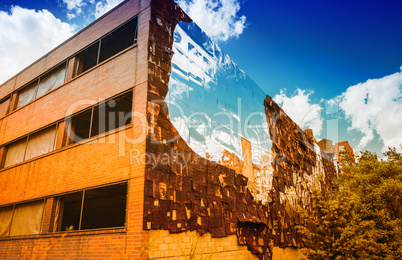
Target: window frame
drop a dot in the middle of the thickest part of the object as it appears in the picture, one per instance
(99, 42)
(69, 140)
(26, 137)
(44, 199)
(67, 128)
(6, 99)
(82, 205)
(66, 62)
(52, 216)
(38, 81)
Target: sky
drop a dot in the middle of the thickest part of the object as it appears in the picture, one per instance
(334, 66)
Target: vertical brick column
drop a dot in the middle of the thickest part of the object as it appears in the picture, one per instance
(61, 135)
(136, 237)
(2, 155)
(47, 223)
(13, 103)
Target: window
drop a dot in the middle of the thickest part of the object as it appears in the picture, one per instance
(101, 118)
(21, 219)
(41, 143)
(107, 46)
(42, 85)
(103, 207)
(87, 58)
(4, 107)
(27, 94)
(118, 40)
(31, 146)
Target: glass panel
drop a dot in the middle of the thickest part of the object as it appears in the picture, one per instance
(41, 143)
(178, 85)
(120, 108)
(27, 95)
(87, 58)
(113, 114)
(99, 120)
(232, 103)
(52, 80)
(4, 107)
(27, 218)
(15, 152)
(179, 114)
(6, 214)
(181, 41)
(104, 207)
(118, 40)
(80, 126)
(70, 209)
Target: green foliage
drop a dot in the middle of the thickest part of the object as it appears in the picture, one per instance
(362, 219)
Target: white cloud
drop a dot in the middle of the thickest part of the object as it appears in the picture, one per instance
(71, 15)
(74, 8)
(218, 18)
(26, 35)
(102, 7)
(301, 110)
(376, 106)
(73, 4)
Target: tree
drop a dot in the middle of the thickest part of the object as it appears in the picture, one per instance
(362, 218)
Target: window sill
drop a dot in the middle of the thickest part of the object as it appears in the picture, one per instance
(102, 231)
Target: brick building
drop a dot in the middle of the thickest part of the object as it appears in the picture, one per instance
(90, 141)
(340, 147)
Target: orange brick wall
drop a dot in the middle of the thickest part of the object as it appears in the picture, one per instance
(112, 157)
(77, 245)
(7, 87)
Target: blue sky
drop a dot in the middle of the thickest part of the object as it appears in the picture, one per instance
(333, 65)
(325, 46)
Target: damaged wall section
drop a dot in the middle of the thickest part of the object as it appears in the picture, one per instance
(184, 191)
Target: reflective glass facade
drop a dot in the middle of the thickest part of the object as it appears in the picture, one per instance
(217, 109)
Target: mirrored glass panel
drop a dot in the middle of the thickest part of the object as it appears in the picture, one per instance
(217, 109)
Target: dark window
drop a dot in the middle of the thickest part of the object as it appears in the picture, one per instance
(99, 120)
(119, 111)
(118, 40)
(4, 107)
(80, 126)
(71, 210)
(108, 115)
(111, 44)
(103, 207)
(87, 58)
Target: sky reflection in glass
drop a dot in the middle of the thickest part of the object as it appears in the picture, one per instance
(212, 102)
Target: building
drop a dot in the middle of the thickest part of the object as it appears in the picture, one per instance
(343, 147)
(137, 135)
(327, 147)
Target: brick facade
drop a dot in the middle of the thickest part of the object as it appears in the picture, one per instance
(167, 205)
(100, 160)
